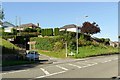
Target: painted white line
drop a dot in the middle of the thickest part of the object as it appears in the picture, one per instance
(94, 64)
(74, 65)
(105, 61)
(109, 60)
(15, 71)
(89, 65)
(61, 67)
(46, 72)
(115, 59)
(51, 74)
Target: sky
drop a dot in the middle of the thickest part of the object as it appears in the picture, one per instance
(58, 14)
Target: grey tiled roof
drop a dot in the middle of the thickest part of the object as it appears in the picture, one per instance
(70, 26)
(8, 24)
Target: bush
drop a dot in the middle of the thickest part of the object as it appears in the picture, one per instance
(56, 31)
(30, 30)
(72, 45)
(44, 43)
(47, 32)
(58, 46)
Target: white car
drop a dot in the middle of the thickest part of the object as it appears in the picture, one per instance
(32, 55)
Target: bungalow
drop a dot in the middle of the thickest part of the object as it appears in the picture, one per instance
(8, 26)
(114, 44)
(71, 28)
(29, 25)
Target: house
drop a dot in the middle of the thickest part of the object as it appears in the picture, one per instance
(114, 44)
(29, 25)
(71, 28)
(8, 26)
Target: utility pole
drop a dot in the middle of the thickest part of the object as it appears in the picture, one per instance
(77, 38)
(19, 21)
(66, 48)
(16, 21)
(66, 44)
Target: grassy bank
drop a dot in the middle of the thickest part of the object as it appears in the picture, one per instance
(87, 51)
(84, 51)
(7, 44)
(57, 54)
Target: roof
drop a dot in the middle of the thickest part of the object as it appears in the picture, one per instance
(28, 25)
(70, 26)
(7, 24)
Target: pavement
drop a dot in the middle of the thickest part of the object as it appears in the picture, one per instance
(94, 67)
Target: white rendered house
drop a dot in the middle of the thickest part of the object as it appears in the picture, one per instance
(71, 28)
(8, 26)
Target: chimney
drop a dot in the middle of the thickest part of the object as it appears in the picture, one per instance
(38, 24)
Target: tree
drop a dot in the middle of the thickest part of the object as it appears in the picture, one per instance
(14, 31)
(90, 28)
(1, 13)
(56, 31)
(38, 30)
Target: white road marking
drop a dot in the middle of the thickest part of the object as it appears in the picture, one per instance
(109, 60)
(74, 65)
(46, 72)
(106, 61)
(51, 74)
(61, 67)
(87, 63)
(15, 71)
(115, 59)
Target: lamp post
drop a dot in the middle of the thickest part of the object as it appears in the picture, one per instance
(77, 30)
(77, 39)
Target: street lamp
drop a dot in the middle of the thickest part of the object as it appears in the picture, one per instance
(77, 38)
(77, 30)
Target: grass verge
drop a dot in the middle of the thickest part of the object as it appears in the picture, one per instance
(88, 51)
(84, 51)
(57, 54)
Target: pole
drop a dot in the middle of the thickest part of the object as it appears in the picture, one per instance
(66, 49)
(77, 39)
(19, 21)
(16, 21)
(66, 43)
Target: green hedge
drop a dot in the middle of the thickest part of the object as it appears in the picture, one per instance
(47, 32)
(56, 31)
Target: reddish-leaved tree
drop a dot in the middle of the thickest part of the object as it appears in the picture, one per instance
(90, 28)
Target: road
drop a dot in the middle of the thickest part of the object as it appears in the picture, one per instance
(94, 67)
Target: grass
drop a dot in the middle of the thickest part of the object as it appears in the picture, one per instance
(87, 51)
(7, 44)
(16, 62)
(84, 51)
(57, 54)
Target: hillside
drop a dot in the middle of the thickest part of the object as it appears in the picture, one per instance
(8, 47)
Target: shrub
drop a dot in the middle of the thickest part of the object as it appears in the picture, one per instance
(44, 43)
(47, 32)
(56, 31)
(72, 45)
(58, 46)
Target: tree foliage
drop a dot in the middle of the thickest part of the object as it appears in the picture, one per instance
(1, 13)
(14, 31)
(47, 32)
(90, 28)
(56, 31)
(30, 30)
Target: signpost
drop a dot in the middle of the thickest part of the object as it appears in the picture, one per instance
(32, 42)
